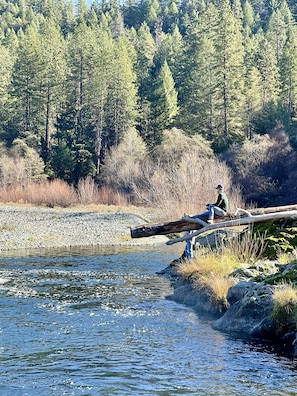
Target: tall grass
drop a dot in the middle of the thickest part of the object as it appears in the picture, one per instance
(284, 312)
(210, 269)
(210, 272)
(246, 247)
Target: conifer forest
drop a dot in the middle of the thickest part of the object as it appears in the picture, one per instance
(92, 89)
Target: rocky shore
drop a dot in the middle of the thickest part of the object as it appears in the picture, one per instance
(36, 228)
(250, 304)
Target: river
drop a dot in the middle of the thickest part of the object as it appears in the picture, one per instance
(95, 322)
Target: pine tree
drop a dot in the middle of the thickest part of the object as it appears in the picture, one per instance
(253, 85)
(248, 19)
(288, 72)
(165, 103)
(267, 65)
(199, 76)
(276, 33)
(145, 52)
(230, 73)
(90, 58)
(6, 67)
(28, 83)
(150, 10)
(121, 109)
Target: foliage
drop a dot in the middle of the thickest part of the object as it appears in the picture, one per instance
(20, 164)
(279, 236)
(122, 166)
(259, 167)
(76, 80)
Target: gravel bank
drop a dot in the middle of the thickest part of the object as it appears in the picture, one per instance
(35, 228)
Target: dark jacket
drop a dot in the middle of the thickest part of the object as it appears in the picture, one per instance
(222, 202)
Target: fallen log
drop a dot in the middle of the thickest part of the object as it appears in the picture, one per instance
(190, 224)
(234, 223)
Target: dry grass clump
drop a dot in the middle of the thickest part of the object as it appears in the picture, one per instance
(285, 297)
(210, 271)
(246, 247)
(284, 312)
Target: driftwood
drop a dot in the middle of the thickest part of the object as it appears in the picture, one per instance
(240, 217)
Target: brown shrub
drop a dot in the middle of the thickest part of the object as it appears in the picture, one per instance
(52, 193)
(109, 196)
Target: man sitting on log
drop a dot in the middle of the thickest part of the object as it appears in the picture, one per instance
(218, 209)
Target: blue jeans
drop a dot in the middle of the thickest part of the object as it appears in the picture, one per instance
(211, 212)
(189, 246)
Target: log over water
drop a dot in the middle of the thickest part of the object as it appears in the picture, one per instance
(240, 217)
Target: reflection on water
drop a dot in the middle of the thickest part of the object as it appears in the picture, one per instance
(91, 322)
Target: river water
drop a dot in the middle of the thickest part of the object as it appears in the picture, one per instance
(91, 322)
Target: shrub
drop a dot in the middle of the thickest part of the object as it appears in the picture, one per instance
(87, 191)
(52, 193)
(122, 166)
(247, 246)
(259, 166)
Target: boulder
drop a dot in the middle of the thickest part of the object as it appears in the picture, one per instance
(250, 303)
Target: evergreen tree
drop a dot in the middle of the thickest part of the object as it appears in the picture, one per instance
(288, 72)
(28, 84)
(276, 33)
(266, 62)
(88, 81)
(54, 78)
(248, 19)
(145, 50)
(198, 84)
(6, 66)
(121, 108)
(253, 85)
(170, 15)
(99, 93)
(150, 10)
(230, 72)
(165, 106)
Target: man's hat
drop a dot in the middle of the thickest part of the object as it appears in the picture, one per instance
(219, 186)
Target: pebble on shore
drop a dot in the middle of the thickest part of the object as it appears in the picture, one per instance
(35, 228)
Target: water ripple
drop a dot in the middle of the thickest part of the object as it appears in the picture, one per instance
(101, 325)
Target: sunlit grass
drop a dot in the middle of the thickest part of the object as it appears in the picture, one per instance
(210, 269)
(285, 297)
(284, 312)
(287, 257)
(210, 272)
(246, 247)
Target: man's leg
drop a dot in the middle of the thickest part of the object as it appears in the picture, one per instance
(189, 247)
(218, 211)
(211, 212)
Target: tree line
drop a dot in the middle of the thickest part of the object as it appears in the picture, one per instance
(76, 80)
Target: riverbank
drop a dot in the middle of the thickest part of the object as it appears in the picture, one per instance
(250, 310)
(24, 227)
